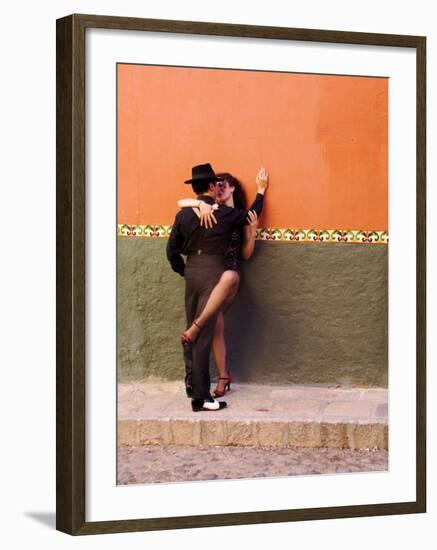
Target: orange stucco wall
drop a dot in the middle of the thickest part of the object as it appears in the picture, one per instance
(324, 140)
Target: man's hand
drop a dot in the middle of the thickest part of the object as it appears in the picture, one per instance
(262, 180)
(207, 218)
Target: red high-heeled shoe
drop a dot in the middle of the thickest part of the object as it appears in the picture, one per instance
(227, 387)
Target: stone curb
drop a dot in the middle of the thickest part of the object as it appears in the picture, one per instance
(253, 433)
(257, 416)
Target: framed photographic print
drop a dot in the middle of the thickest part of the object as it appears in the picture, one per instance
(241, 274)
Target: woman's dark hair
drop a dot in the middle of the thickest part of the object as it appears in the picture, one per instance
(240, 200)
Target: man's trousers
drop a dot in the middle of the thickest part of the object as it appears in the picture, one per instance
(202, 273)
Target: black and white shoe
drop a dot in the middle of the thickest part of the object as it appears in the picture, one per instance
(207, 404)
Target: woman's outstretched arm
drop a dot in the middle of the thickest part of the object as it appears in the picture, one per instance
(262, 182)
(189, 203)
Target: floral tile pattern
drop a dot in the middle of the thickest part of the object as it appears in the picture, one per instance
(126, 230)
(273, 234)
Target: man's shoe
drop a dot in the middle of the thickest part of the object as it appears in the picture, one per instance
(207, 405)
(189, 390)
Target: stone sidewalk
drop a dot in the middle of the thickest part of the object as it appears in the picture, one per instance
(158, 464)
(257, 416)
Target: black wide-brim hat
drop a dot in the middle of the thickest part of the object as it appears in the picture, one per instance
(203, 172)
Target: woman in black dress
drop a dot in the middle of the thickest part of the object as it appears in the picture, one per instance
(241, 245)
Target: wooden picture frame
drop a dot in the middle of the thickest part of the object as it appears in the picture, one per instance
(71, 414)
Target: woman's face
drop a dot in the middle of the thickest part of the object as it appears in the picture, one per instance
(224, 191)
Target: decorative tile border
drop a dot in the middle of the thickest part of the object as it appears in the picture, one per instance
(126, 230)
(275, 234)
(323, 235)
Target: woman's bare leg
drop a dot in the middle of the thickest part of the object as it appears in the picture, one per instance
(224, 291)
(219, 345)
(219, 349)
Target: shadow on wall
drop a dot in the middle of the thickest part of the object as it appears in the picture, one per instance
(311, 314)
(250, 339)
(264, 323)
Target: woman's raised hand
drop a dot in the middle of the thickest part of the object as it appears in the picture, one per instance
(262, 180)
(207, 217)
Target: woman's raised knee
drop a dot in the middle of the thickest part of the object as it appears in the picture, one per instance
(231, 279)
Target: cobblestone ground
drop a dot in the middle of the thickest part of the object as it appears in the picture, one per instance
(149, 464)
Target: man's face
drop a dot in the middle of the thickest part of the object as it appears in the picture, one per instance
(213, 189)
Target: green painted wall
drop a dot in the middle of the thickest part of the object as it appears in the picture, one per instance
(308, 313)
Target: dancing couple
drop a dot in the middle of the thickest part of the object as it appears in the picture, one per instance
(214, 231)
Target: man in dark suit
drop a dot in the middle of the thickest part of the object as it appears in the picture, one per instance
(204, 248)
